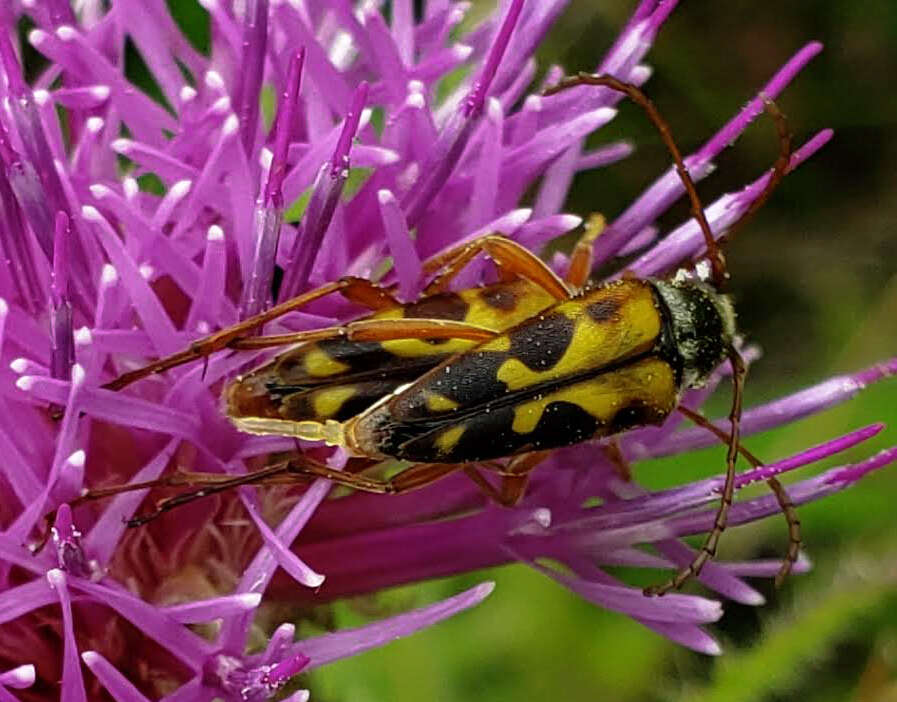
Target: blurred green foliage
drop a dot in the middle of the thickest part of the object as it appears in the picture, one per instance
(814, 282)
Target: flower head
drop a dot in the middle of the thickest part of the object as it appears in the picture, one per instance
(133, 225)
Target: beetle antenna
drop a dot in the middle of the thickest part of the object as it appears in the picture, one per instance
(634, 93)
(780, 169)
(781, 495)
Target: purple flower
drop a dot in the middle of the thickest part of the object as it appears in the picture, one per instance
(103, 271)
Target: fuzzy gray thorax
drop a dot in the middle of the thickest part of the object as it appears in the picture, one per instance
(703, 326)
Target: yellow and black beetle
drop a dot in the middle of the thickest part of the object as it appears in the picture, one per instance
(511, 370)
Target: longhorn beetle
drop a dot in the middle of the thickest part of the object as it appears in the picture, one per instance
(458, 380)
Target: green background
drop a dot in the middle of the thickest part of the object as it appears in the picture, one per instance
(814, 281)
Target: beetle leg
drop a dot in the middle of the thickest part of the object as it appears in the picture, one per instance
(373, 330)
(357, 290)
(782, 497)
(708, 549)
(508, 255)
(618, 460)
(581, 258)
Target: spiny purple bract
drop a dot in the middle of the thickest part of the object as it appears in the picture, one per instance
(101, 272)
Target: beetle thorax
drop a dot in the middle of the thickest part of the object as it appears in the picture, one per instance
(703, 326)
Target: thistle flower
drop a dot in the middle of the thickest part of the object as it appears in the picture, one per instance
(118, 249)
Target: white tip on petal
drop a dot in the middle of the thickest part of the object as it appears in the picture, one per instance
(25, 383)
(90, 657)
(187, 94)
(37, 36)
(313, 580)
(95, 124)
(65, 32)
(462, 51)
(415, 86)
(221, 105)
(19, 365)
(82, 336)
(712, 648)
(56, 577)
(209, 4)
(533, 103)
(365, 118)
(385, 196)
(4, 307)
(485, 589)
(78, 374)
(250, 600)
(640, 74)
(181, 188)
(493, 109)
(100, 92)
(265, 158)
(20, 677)
(542, 517)
(415, 100)
(518, 217)
(146, 271)
(91, 213)
(231, 124)
(131, 188)
(215, 233)
(203, 327)
(99, 191)
(569, 221)
(41, 96)
(753, 599)
(214, 80)
(77, 459)
(121, 145)
(605, 114)
(109, 276)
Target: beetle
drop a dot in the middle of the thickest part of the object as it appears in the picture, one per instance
(514, 369)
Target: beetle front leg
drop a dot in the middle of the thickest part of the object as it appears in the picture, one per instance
(581, 258)
(357, 290)
(508, 255)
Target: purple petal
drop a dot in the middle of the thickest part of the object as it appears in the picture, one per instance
(72, 680)
(116, 684)
(18, 678)
(342, 644)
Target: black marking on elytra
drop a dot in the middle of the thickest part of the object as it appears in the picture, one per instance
(606, 309)
(299, 406)
(366, 360)
(470, 380)
(541, 342)
(490, 436)
(637, 413)
(442, 306)
(500, 297)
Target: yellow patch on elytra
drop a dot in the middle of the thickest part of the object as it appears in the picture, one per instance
(327, 402)
(440, 403)
(650, 382)
(448, 439)
(595, 344)
(528, 301)
(319, 364)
